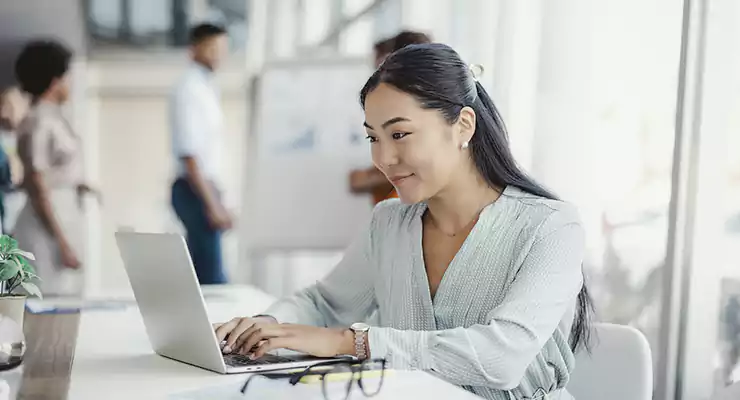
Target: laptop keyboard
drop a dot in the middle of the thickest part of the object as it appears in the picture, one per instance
(237, 360)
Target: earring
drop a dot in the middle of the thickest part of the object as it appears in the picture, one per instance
(465, 145)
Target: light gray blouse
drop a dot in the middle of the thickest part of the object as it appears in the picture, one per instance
(500, 321)
(48, 144)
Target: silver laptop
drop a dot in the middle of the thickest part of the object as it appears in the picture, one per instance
(174, 312)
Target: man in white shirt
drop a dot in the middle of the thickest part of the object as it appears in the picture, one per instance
(197, 125)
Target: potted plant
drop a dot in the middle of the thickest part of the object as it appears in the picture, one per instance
(16, 279)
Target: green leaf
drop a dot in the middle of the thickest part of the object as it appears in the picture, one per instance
(25, 254)
(14, 261)
(32, 289)
(25, 265)
(9, 269)
(7, 244)
(19, 261)
(29, 276)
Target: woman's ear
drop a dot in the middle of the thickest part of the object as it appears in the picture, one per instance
(466, 122)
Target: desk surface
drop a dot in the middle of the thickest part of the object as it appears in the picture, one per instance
(114, 360)
(48, 360)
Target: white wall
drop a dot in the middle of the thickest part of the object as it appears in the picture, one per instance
(22, 20)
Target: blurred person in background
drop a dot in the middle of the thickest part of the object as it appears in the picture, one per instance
(14, 105)
(371, 180)
(51, 224)
(13, 108)
(196, 122)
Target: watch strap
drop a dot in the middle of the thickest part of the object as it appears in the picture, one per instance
(360, 347)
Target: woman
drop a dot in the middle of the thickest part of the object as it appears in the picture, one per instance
(475, 273)
(51, 223)
(13, 108)
(371, 180)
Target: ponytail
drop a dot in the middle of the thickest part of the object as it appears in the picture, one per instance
(491, 151)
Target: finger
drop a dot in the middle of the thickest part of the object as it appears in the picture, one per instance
(223, 330)
(272, 344)
(235, 333)
(259, 334)
(251, 335)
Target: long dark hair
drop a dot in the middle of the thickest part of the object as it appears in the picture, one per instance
(439, 80)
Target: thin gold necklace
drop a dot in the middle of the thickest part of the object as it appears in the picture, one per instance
(467, 226)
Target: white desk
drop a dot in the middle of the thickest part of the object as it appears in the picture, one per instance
(114, 360)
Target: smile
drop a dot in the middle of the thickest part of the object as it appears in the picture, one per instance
(396, 180)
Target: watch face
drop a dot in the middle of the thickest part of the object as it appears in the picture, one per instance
(360, 327)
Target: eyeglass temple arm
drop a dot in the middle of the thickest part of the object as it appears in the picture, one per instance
(294, 379)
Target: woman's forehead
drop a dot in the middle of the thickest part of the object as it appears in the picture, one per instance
(386, 102)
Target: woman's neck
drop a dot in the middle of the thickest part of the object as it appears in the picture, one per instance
(457, 206)
(46, 98)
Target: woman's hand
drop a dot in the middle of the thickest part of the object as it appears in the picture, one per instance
(263, 336)
(230, 331)
(312, 340)
(83, 189)
(68, 256)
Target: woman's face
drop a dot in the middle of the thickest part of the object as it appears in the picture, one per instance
(61, 88)
(416, 149)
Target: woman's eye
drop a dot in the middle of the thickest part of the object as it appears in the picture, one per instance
(399, 135)
(371, 139)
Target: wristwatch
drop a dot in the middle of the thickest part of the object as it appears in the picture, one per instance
(360, 330)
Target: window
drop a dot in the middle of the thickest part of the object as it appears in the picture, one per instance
(712, 344)
(160, 24)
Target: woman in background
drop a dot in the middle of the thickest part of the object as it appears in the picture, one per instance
(51, 224)
(13, 108)
(371, 180)
(475, 274)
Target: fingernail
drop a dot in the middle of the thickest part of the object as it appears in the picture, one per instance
(252, 356)
(227, 349)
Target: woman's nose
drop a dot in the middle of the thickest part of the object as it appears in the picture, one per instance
(385, 155)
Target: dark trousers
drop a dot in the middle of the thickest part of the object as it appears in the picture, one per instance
(204, 242)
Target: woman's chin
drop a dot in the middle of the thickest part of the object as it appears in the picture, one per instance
(409, 196)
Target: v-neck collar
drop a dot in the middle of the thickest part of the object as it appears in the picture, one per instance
(458, 261)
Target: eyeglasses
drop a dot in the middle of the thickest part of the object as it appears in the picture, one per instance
(337, 377)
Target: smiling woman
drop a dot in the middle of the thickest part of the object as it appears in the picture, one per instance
(475, 273)
(370, 180)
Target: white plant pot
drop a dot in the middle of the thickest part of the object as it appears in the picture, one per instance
(13, 307)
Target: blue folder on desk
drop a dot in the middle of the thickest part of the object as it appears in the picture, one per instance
(71, 306)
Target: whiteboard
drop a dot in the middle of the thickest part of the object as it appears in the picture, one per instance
(306, 137)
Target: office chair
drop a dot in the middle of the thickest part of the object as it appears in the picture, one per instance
(619, 367)
(731, 392)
